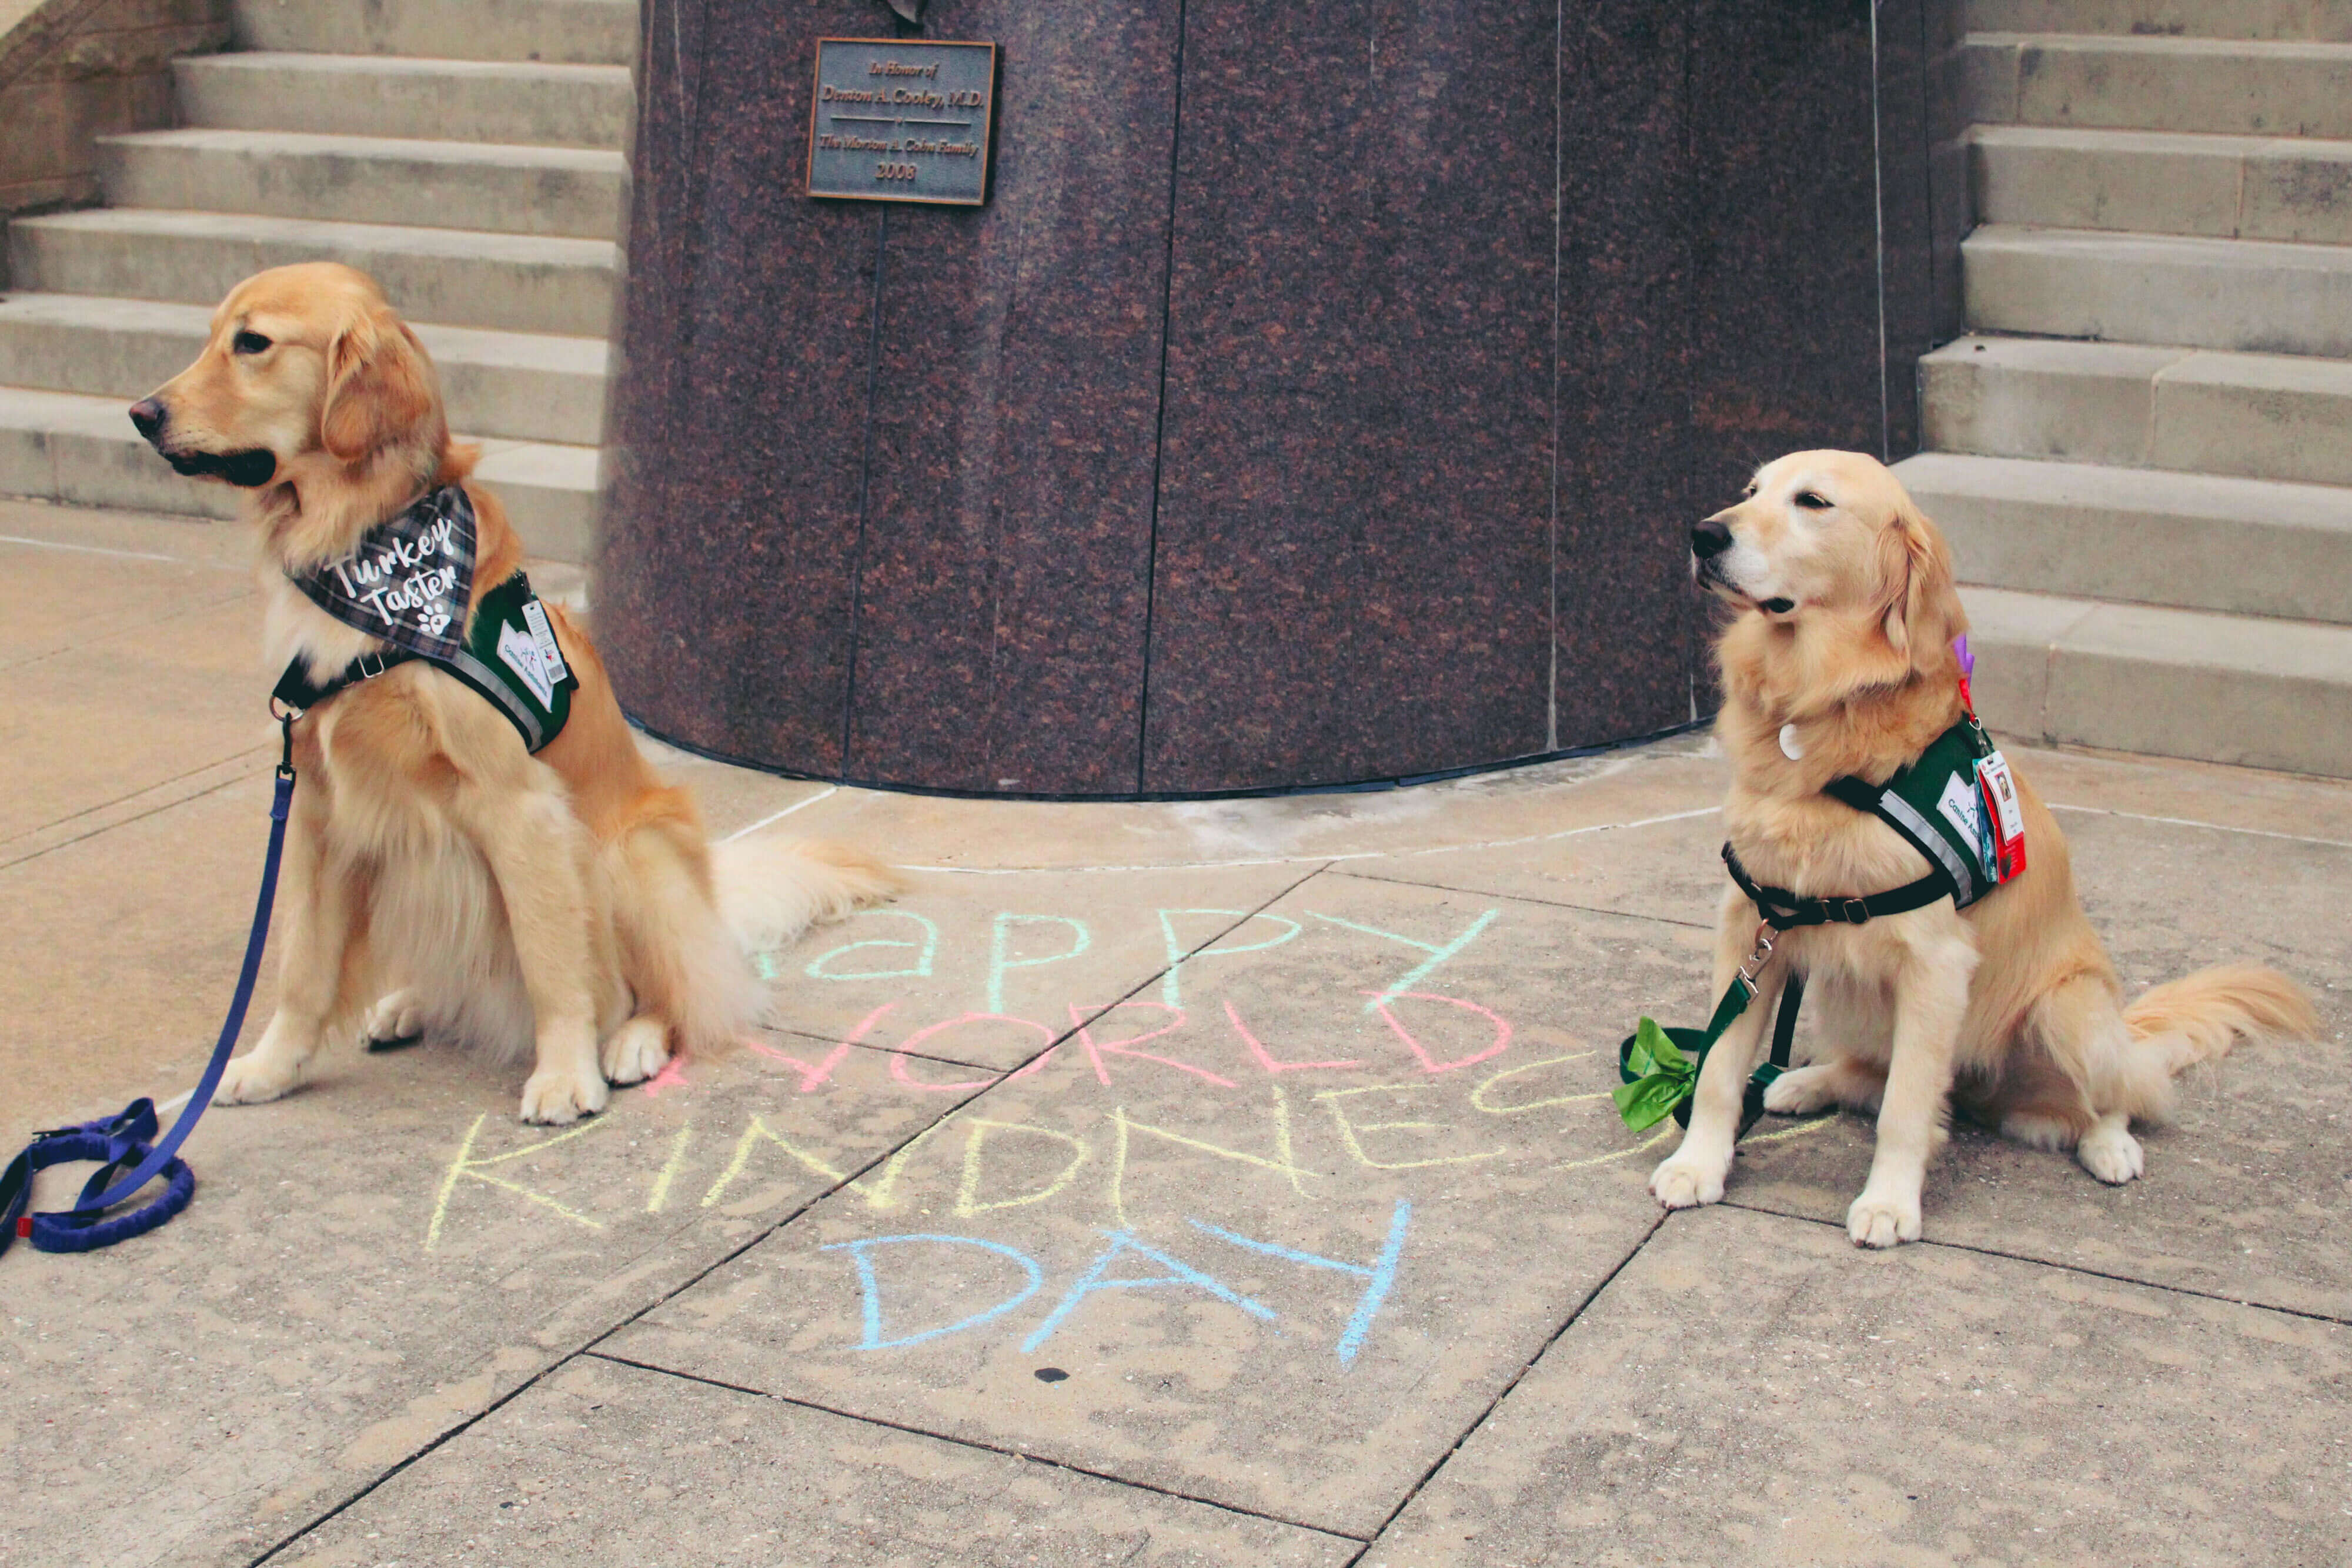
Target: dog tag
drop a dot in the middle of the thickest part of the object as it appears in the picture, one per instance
(1789, 747)
(2005, 811)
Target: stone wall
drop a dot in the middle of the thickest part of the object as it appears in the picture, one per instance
(72, 70)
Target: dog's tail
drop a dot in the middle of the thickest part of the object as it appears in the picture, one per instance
(2200, 1017)
(769, 890)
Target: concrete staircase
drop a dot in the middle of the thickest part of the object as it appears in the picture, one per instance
(466, 152)
(2143, 451)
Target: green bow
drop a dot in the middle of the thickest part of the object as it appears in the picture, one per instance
(1663, 1078)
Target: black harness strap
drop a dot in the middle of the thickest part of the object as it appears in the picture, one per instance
(295, 690)
(1784, 1036)
(1785, 911)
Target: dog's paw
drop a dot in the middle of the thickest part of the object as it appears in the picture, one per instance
(1678, 1183)
(253, 1078)
(1805, 1089)
(2110, 1153)
(395, 1020)
(636, 1050)
(1878, 1219)
(553, 1096)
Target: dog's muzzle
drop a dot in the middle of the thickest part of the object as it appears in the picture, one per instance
(248, 470)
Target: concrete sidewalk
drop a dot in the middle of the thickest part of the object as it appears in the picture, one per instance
(1231, 1183)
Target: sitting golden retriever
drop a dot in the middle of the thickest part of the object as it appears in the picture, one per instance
(464, 854)
(1841, 663)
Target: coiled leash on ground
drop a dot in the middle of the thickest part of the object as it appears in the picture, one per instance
(125, 1141)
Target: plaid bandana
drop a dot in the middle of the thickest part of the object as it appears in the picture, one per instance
(409, 582)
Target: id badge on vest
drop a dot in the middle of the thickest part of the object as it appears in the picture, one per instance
(2004, 815)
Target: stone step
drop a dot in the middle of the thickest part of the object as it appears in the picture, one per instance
(2266, 416)
(2236, 86)
(2201, 541)
(570, 191)
(518, 103)
(2290, 19)
(65, 447)
(2253, 296)
(520, 283)
(2164, 182)
(2176, 683)
(580, 32)
(519, 385)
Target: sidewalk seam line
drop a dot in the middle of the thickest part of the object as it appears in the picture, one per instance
(257, 750)
(137, 817)
(2193, 823)
(2084, 1269)
(1657, 1223)
(814, 1038)
(979, 1444)
(1525, 898)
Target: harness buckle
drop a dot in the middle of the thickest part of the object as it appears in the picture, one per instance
(1853, 911)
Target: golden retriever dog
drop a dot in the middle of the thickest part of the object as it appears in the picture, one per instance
(437, 875)
(1842, 643)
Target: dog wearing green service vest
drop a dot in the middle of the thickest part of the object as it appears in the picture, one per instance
(477, 847)
(1839, 664)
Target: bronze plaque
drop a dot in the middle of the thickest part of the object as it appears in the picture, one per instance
(901, 120)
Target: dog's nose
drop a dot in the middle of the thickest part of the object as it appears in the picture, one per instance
(148, 415)
(1710, 537)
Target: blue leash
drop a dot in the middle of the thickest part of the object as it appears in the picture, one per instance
(123, 1139)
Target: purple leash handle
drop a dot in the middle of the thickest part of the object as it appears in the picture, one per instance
(79, 1229)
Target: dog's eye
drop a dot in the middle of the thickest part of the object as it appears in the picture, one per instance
(1812, 501)
(248, 342)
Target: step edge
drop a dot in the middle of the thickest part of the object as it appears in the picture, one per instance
(132, 221)
(202, 314)
(2255, 488)
(2026, 236)
(224, 138)
(2336, 634)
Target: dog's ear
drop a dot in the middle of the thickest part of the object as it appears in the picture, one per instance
(1923, 611)
(379, 389)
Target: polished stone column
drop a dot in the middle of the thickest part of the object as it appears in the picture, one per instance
(1323, 395)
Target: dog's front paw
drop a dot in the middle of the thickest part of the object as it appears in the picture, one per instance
(1805, 1089)
(254, 1078)
(1680, 1182)
(1881, 1219)
(553, 1096)
(2110, 1153)
(636, 1050)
